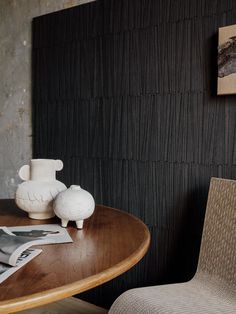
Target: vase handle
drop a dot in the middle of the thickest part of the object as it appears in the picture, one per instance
(58, 165)
(24, 172)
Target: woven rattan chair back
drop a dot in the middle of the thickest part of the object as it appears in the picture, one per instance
(213, 288)
(218, 248)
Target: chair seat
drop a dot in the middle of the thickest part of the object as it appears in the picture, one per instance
(67, 306)
(213, 288)
(197, 296)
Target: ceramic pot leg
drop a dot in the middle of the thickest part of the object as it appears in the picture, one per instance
(64, 222)
(79, 224)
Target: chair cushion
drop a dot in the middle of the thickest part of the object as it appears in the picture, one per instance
(195, 296)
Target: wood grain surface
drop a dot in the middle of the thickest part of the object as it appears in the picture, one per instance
(111, 242)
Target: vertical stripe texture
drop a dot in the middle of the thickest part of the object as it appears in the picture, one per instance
(124, 92)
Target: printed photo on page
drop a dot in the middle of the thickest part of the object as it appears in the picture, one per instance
(55, 232)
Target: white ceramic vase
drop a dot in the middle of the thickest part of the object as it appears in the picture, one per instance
(37, 193)
(74, 204)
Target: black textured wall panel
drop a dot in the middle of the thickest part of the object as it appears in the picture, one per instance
(124, 92)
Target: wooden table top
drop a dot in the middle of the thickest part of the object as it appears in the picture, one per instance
(110, 243)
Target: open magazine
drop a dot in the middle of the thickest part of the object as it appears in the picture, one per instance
(12, 246)
(15, 244)
(7, 270)
(52, 232)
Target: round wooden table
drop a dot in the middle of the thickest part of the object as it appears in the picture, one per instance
(110, 243)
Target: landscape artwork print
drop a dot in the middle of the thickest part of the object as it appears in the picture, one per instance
(227, 60)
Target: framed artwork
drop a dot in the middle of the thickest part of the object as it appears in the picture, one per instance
(227, 60)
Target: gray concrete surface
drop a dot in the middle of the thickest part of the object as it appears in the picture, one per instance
(15, 84)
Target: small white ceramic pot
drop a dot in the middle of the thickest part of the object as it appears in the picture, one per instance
(37, 193)
(74, 204)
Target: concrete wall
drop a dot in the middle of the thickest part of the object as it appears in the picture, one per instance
(15, 84)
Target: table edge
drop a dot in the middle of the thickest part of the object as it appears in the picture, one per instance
(56, 294)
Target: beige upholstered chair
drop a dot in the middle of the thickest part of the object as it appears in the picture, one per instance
(213, 288)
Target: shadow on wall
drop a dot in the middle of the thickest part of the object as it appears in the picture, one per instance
(212, 66)
(185, 254)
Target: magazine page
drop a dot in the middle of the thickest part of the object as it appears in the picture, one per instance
(55, 232)
(12, 246)
(24, 258)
